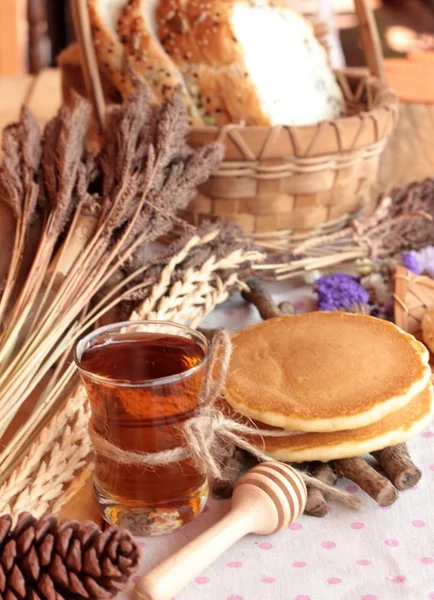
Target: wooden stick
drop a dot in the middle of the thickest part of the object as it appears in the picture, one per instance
(371, 482)
(260, 297)
(316, 505)
(370, 38)
(88, 59)
(398, 466)
(233, 467)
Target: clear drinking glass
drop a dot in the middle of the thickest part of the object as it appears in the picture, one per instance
(143, 380)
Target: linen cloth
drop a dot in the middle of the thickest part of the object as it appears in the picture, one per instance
(375, 554)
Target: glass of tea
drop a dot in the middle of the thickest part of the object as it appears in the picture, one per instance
(143, 380)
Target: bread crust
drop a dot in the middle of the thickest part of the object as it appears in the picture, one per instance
(211, 23)
(225, 94)
(199, 38)
(110, 53)
(207, 93)
(149, 58)
(69, 62)
(175, 33)
(241, 97)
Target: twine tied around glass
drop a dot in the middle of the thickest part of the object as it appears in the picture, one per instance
(210, 430)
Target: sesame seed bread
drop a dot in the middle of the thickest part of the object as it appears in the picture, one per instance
(136, 29)
(69, 61)
(396, 428)
(237, 61)
(205, 89)
(209, 87)
(267, 63)
(111, 56)
(324, 371)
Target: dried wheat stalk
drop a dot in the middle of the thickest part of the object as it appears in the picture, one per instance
(188, 298)
(54, 460)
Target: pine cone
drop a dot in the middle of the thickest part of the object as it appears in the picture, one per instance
(41, 559)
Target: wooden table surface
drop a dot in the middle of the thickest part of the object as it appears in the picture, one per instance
(408, 157)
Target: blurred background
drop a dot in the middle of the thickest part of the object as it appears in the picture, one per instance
(33, 32)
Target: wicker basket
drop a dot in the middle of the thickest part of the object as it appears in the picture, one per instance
(282, 184)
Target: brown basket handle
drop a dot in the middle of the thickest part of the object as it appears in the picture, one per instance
(89, 64)
(370, 39)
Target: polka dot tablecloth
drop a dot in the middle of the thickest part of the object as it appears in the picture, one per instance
(375, 554)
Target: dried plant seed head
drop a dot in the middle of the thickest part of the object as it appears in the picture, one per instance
(63, 150)
(30, 141)
(11, 180)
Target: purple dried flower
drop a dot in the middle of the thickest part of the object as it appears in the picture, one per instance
(426, 260)
(339, 291)
(420, 261)
(411, 262)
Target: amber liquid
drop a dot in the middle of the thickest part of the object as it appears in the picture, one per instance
(134, 410)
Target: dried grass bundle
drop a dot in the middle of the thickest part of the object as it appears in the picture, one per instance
(97, 216)
(402, 221)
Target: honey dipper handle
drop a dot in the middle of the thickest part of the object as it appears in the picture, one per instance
(168, 578)
(172, 575)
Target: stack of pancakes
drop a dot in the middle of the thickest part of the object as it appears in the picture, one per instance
(349, 384)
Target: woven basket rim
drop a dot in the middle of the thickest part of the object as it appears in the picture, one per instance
(391, 100)
(345, 134)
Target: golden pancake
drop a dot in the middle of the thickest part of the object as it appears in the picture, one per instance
(324, 371)
(394, 429)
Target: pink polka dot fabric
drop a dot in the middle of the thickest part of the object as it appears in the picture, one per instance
(368, 555)
(328, 545)
(418, 523)
(352, 489)
(265, 546)
(375, 554)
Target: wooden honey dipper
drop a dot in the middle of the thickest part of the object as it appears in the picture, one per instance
(265, 500)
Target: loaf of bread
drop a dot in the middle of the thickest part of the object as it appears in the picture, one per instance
(236, 61)
(136, 29)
